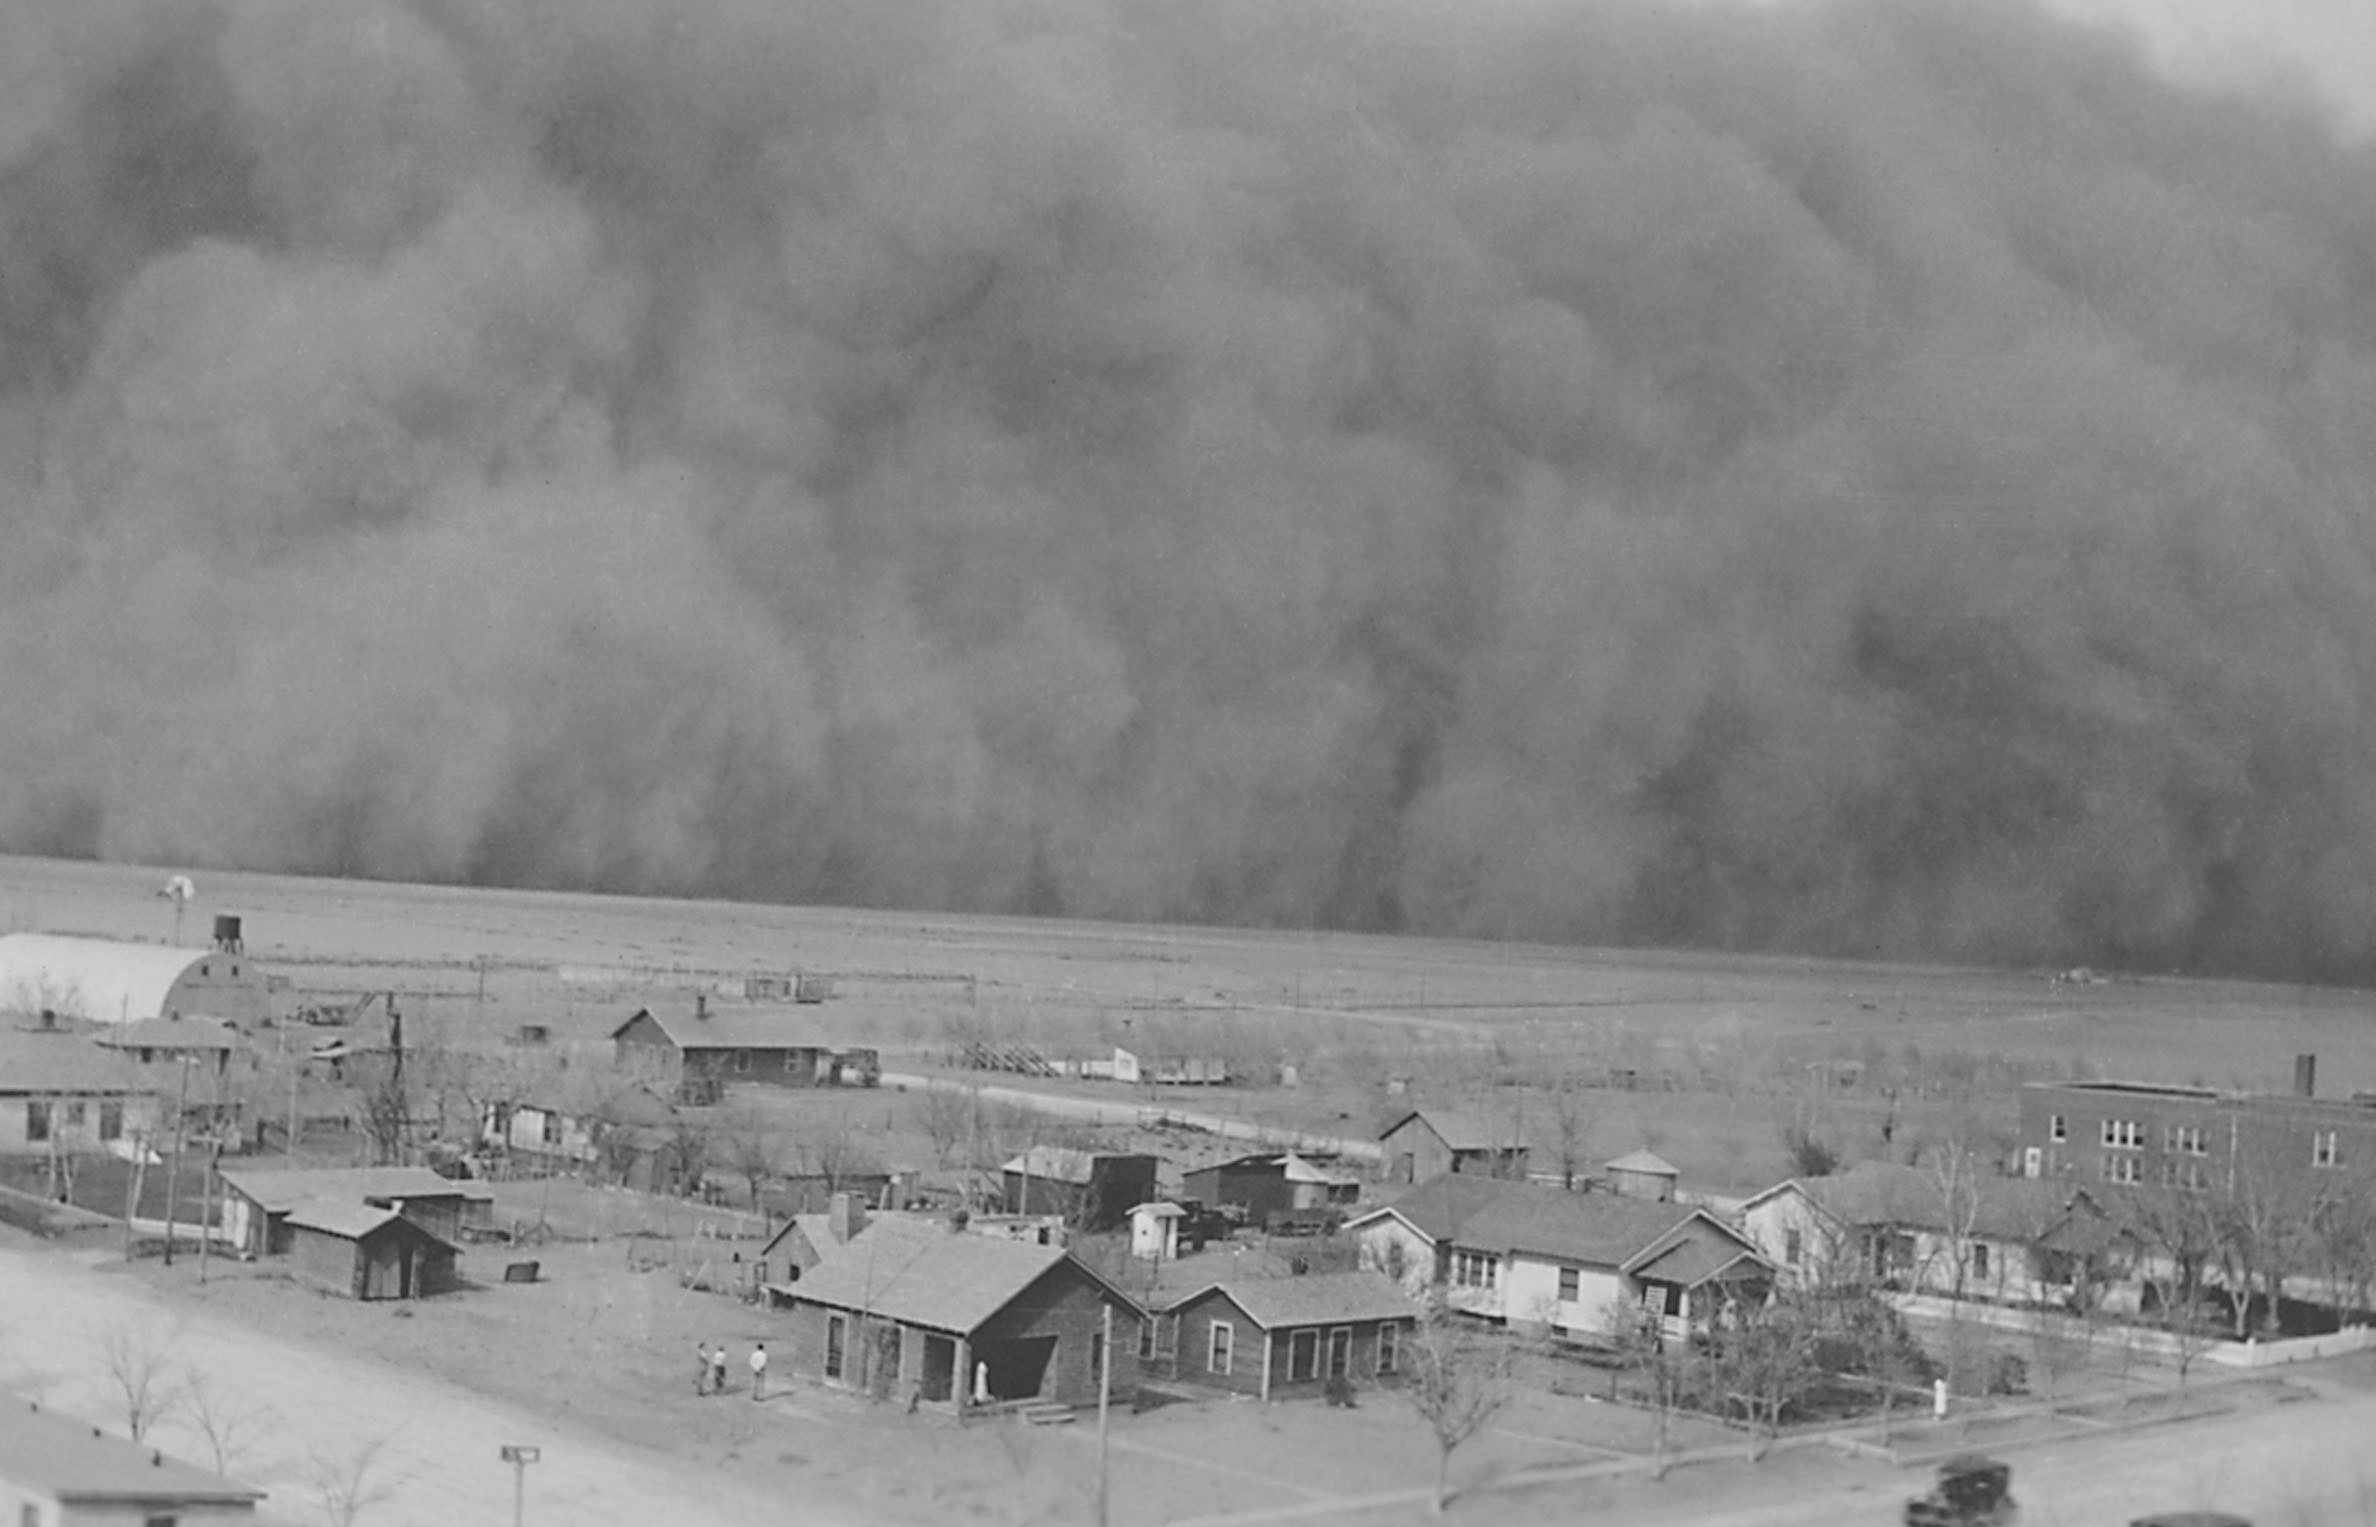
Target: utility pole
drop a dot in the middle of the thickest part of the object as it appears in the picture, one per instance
(1105, 1391)
(181, 1115)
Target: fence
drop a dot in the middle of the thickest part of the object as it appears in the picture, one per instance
(2145, 1340)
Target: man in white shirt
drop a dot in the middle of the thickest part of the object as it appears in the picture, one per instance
(759, 1371)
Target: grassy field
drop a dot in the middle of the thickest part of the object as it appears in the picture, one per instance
(1700, 1057)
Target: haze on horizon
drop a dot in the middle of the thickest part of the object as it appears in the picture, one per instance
(1879, 478)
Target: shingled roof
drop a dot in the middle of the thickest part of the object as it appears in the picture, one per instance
(1441, 1207)
(280, 1192)
(1315, 1299)
(735, 1028)
(1605, 1229)
(1462, 1132)
(1883, 1193)
(937, 1278)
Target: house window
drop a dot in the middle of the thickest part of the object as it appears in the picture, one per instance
(1147, 1338)
(2184, 1140)
(77, 1113)
(111, 1121)
(1475, 1269)
(837, 1331)
(1388, 1338)
(1794, 1246)
(2123, 1135)
(742, 1061)
(1217, 1347)
(552, 1129)
(37, 1120)
(2326, 1148)
(1340, 1353)
(2122, 1169)
(1979, 1259)
(1571, 1285)
(2188, 1175)
(1303, 1355)
(2058, 1128)
(791, 1060)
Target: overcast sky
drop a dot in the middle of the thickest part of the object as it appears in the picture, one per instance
(2333, 41)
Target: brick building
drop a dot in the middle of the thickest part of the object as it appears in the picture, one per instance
(2144, 1134)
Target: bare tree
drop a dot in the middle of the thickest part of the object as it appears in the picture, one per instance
(229, 1428)
(831, 1151)
(1458, 1381)
(946, 1119)
(142, 1372)
(1669, 1373)
(753, 1148)
(346, 1482)
(1571, 1130)
(1765, 1361)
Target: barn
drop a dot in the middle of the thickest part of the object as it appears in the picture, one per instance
(368, 1253)
(102, 980)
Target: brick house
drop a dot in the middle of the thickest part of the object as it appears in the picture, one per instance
(1280, 1338)
(947, 1319)
(2143, 1134)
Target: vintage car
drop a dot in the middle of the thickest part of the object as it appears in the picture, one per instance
(1972, 1491)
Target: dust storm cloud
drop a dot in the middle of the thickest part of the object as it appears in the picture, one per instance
(1878, 478)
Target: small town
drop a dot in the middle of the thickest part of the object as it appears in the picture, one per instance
(994, 1235)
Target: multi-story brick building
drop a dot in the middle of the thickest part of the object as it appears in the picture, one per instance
(2147, 1134)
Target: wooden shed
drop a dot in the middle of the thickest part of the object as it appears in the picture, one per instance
(368, 1253)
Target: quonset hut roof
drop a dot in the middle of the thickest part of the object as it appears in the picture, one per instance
(97, 979)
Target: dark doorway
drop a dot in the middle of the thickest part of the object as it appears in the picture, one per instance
(1018, 1366)
(938, 1381)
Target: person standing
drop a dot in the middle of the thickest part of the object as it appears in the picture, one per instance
(701, 1367)
(718, 1369)
(759, 1371)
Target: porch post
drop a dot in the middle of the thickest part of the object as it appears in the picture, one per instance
(1266, 1363)
(962, 1393)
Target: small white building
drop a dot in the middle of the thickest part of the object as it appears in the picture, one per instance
(1155, 1232)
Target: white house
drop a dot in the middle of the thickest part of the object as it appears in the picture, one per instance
(2007, 1239)
(1562, 1261)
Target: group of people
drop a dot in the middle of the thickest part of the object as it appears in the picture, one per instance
(709, 1373)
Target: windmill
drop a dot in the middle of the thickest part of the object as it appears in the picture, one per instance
(178, 890)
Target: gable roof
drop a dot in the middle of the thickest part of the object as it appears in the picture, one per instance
(1310, 1300)
(278, 1192)
(101, 979)
(1064, 1163)
(931, 1276)
(1643, 1162)
(1605, 1229)
(355, 1222)
(1699, 1250)
(1442, 1206)
(38, 1061)
(1460, 1131)
(734, 1028)
(1873, 1193)
(81, 1464)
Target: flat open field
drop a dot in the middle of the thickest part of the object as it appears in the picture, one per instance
(1716, 1049)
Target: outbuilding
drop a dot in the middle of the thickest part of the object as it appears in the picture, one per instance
(368, 1253)
(1427, 1143)
(100, 980)
(258, 1205)
(705, 1050)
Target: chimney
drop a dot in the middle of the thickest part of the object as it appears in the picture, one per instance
(701, 1005)
(2305, 1076)
(227, 933)
(845, 1217)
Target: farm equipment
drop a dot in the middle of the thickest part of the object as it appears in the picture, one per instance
(1972, 1491)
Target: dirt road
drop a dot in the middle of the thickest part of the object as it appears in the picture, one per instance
(439, 1461)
